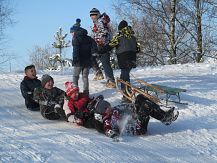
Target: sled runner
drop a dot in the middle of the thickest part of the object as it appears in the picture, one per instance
(131, 91)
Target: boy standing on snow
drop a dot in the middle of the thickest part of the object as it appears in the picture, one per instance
(50, 99)
(27, 86)
(95, 66)
(126, 49)
(83, 47)
(102, 34)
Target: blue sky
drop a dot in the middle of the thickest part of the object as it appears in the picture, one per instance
(38, 20)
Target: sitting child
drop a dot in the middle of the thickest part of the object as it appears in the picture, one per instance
(50, 99)
(27, 86)
(75, 106)
(80, 109)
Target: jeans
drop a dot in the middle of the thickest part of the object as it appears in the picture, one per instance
(125, 76)
(85, 73)
(105, 59)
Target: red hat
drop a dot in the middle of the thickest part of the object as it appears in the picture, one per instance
(71, 88)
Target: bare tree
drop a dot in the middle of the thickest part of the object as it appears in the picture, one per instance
(39, 56)
(6, 12)
(154, 25)
(172, 31)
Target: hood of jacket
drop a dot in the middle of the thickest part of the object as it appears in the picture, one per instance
(127, 32)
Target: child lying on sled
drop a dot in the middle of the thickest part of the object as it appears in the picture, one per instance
(82, 110)
(98, 113)
(130, 118)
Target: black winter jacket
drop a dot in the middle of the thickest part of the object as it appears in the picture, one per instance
(47, 99)
(126, 48)
(83, 47)
(27, 87)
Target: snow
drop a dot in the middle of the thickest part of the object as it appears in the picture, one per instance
(26, 137)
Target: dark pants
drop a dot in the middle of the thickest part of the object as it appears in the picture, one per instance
(105, 59)
(48, 113)
(145, 107)
(125, 76)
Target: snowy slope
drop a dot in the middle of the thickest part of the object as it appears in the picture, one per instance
(26, 137)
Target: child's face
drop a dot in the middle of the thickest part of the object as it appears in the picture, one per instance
(31, 73)
(74, 96)
(94, 17)
(49, 85)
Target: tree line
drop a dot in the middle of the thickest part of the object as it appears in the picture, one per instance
(172, 31)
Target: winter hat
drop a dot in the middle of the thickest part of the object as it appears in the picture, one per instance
(45, 78)
(78, 22)
(71, 88)
(122, 24)
(94, 11)
(76, 26)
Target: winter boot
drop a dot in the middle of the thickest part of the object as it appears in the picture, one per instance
(170, 116)
(110, 84)
(98, 75)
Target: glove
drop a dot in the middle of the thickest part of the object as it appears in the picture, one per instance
(71, 118)
(96, 55)
(29, 95)
(48, 103)
(98, 117)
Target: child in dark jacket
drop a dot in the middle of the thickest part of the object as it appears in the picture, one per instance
(27, 86)
(126, 48)
(50, 99)
(83, 48)
(130, 118)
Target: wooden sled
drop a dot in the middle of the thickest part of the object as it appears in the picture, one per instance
(131, 91)
(160, 89)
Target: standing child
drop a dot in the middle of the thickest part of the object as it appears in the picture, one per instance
(83, 47)
(102, 34)
(50, 99)
(126, 49)
(27, 86)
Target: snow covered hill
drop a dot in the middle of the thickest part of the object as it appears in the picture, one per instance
(26, 137)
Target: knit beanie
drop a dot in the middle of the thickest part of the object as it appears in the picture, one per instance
(45, 78)
(122, 24)
(78, 22)
(76, 26)
(71, 88)
(94, 11)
